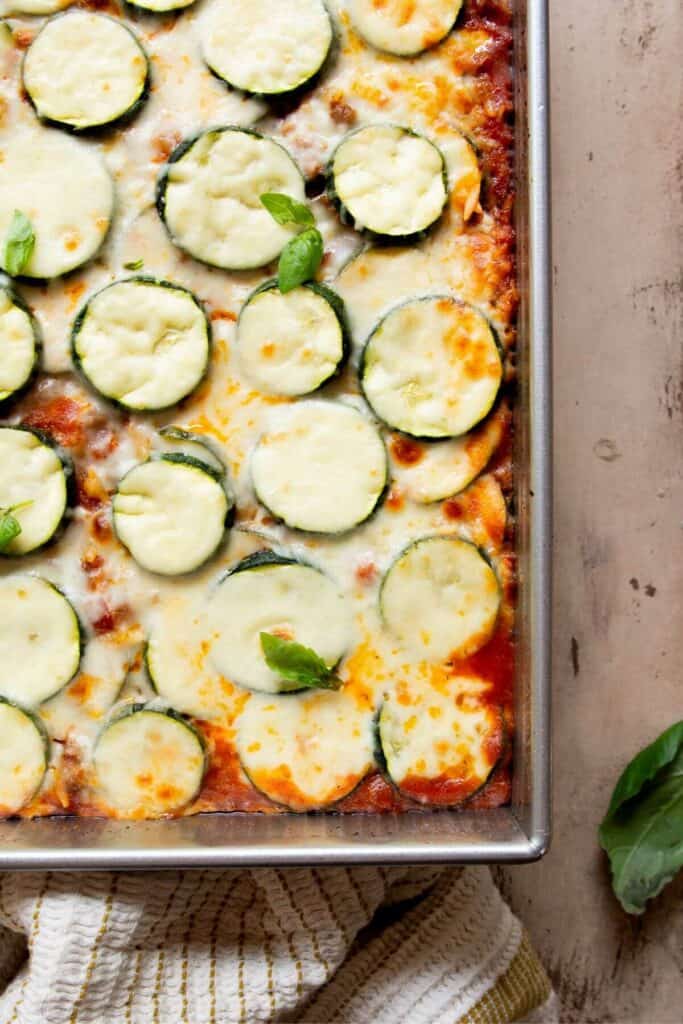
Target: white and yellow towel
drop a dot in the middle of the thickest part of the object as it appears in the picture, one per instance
(327, 946)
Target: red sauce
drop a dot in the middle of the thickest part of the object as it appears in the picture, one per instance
(495, 662)
(405, 450)
(373, 794)
(225, 787)
(60, 417)
(110, 619)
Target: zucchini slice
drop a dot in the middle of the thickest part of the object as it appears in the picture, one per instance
(33, 482)
(432, 368)
(440, 598)
(149, 762)
(321, 467)
(142, 343)
(305, 751)
(160, 6)
(24, 755)
(292, 344)
(265, 48)
(40, 639)
(268, 593)
(19, 344)
(402, 27)
(36, 6)
(209, 197)
(84, 70)
(197, 445)
(388, 181)
(64, 189)
(440, 745)
(433, 470)
(171, 512)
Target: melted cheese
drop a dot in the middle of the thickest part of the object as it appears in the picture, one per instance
(33, 483)
(431, 94)
(23, 758)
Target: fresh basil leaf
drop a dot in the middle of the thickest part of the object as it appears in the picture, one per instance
(19, 244)
(134, 265)
(10, 527)
(642, 832)
(297, 664)
(300, 259)
(285, 210)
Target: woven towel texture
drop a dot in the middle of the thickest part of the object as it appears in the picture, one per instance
(328, 946)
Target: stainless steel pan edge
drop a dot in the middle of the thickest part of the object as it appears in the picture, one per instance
(515, 834)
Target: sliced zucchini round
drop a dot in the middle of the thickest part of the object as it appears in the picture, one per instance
(402, 27)
(388, 181)
(24, 755)
(64, 189)
(33, 485)
(142, 343)
(160, 6)
(305, 751)
(36, 6)
(432, 368)
(149, 762)
(84, 70)
(440, 745)
(433, 470)
(209, 197)
(19, 344)
(265, 48)
(268, 593)
(198, 446)
(440, 598)
(294, 343)
(171, 512)
(321, 467)
(40, 639)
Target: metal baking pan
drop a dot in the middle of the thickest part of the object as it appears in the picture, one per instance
(516, 833)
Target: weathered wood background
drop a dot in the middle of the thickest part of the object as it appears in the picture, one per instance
(617, 109)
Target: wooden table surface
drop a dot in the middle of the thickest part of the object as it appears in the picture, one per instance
(617, 149)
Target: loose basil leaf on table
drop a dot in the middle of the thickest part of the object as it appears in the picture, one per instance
(19, 244)
(642, 832)
(298, 664)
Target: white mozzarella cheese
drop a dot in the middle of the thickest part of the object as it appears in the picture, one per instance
(404, 27)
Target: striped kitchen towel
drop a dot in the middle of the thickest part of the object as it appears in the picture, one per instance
(327, 946)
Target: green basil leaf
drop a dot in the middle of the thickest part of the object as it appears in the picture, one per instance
(9, 529)
(19, 244)
(285, 210)
(297, 664)
(642, 832)
(300, 259)
(134, 265)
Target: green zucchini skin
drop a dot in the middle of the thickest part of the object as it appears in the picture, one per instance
(338, 307)
(181, 459)
(19, 302)
(177, 154)
(102, 128)
(43, 735)
(158, 283)
(347, 218)
(180, 436)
